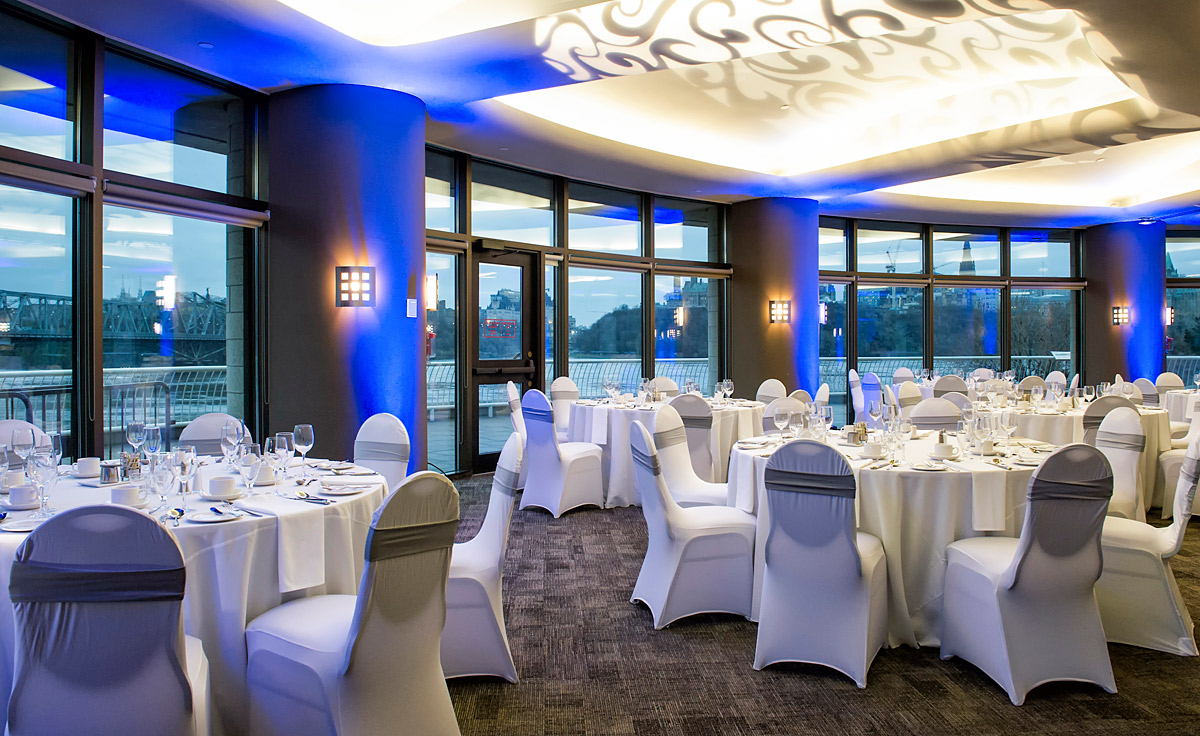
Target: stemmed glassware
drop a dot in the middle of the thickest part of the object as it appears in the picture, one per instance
(1036, 394)
(153, 440)
(161, 476)
(22, 443)
(304, 438)
(1008, 425)
(780, 419)
(905, 430)
(183, 466)
(1089, 393)
(285, 447)
(248, 462)
(231, 436)
(962, 434)
(43, 471)
(727, 385)
(875, 411)
(135, 435)
(1196, 380)
(1127, 388)
(827, 417)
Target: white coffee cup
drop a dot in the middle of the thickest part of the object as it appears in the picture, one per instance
(986, 448)
(223, 486)
(13, 478)
(943, 450)
(874, 449)
(88, 467)
(127, 494)
(22, 494)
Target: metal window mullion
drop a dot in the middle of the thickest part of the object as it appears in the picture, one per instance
(88, 332)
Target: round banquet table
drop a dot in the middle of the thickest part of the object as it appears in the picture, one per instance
(235, 572)
(914, 513)
(926, 390)
(608, 425)
(1176, 403)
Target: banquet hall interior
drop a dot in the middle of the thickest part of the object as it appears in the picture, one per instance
(622, 367)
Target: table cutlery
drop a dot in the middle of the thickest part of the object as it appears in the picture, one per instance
(175, 515)
(258, 514)
(303, 496)
(234, 511)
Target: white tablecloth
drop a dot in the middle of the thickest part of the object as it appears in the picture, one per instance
(915, 514)
(232, 577)
(608, 426)
(1176, 403)
(926, 390)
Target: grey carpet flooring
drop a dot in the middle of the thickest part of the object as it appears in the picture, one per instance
(590, 662)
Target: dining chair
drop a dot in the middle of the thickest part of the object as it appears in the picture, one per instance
(801, 395)
(1056, 376)
(889, 397)
(664, 386)
(1024, 610)
(382, 445)
(474, 639)
(985, 374)
(959, 400)
(910, 396)
(1171, 461)
(204, 432)
(1169, 381)
(563, 393)
(1140, 603)
(949, 384)
(857, 400)
(822, 396)
(824, 590)
(517, 418)
(97, 594)
(697, 417)
(903, 374)
(6, 429)
(355, 665)
(560, 475)
(935, 413)
(699, 559)
(1148, 391)
(1029, 382)
(769, 390)
(785, 403)
(1123, 441)
(685, 486)
(1095, 412)
(1074, 382)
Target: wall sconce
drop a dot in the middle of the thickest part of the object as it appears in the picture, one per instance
(823, 314)
(1120, 315)
(355, 286)
(780, 311)
(431, 292)
(1169, 316)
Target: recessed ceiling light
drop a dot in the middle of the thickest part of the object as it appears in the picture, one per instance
(785, 107)
(205, 45)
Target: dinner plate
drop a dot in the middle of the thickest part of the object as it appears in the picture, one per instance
(139, 505)
(209, 517)
(208, 497)
(929, 467)
(5, 505)
(21, 525)
(1027, 462)
(346, 490)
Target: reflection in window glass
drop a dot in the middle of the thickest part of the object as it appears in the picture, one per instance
(1183, 255)
(604, 220)
(441, 368)
(966, 251)
(500, 311)
(831, 238)
(551, 317)
(832, 318)
(168, 127)
(439, 191)
(889, 247)
(685, 230)
(891, 326)
(686, 310)
(511, 205)
(1183, 336)
(173, 319)
(36, 113)
(36, 321)
(493, 422)
(1043, 332)
(605, 326)
(966, 329)
(1040, 253)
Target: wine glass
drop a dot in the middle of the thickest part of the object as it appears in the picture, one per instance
(161, 476)
(1127, 389)
(231, 437)
(153, 440)
(827, 417)
(1089, 393)
(780, 419)
(183, 466)
(248, 462)
(305, 438)
(1036, 394)
(22, 443)
(1008, 425)
(728, 383)
(135, 435)
(962, 435)
(905, 429)
(1196, 380)
(54, 445)
(875, 410)
(285, 447)
(43, 471)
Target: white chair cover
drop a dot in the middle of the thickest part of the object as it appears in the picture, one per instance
(769, 390)
(518, 423)
(889, 398)
(1168, 381)
(857, 400)
(697, 419)
(474, 640)
(686, 487)
(382, 445)
(986, 374)
(959, 400)
(801, 395)
(1074, 382)
(100, 649)
(903, 374)
(1095, 412)
(6, 429)
(824, 591)
(784, 404)
(935, 413)
(822, 397)
(362, 664)
(872, 391)
(910, 396)
(204, 433)
(698, 560)
(949, 384)
(1170, 461)
(1139, 599)
(1023, 610)
(1028, 382)
(1123, 441)
(1148, 390)
(664, 386)
(563, 393)
(563, 475)
(1056, 377)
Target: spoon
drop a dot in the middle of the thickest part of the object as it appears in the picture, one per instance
(302, 495)
(175, 515)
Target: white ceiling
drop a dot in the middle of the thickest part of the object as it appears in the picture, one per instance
(1066, 112)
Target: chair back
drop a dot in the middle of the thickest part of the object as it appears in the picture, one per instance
(949, 384)
(515, 414)
(1095, 412)
(784, 404)
(1074, 382)
(493, 532)
(822, 397)
(96, 595)
(1028, 382)
(1058, 552)
(204, 433)
(889, 397)
(697, 418)
(1185, 496)
(903, 374)
(1056, 377)
(1168, 381)
(382, 445)
(810, 495)
(801, 395)
(959, 400)
(985, 374)
(6, 429)
(872, 390)
(910, 396)
(1122, 440)
(541, 441)
(935, 413)
(857, 402)
(563, 393)
(1148, 391)
(670, 437)
(658, 506)
(769, 390)
(664, 386)
(1193, 417)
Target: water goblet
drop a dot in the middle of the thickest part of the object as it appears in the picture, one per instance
(183, 467)
(780, 420)
(1036, 394)
(304, 438)
(43, 471)
(285, 447)
(153, 440)
(962, 435)
(906, 431)
(21, 443)
(231, 436)
(875, 410)
(1196, 380)
(135, 435)
(248, 462)
(728, 382)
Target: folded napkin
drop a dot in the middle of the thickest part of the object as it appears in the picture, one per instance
(599, 420)
(301, 534)
(352, 480)
(988, 492)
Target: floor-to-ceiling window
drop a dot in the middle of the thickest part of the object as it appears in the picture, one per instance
(686, 319)
(442, 349)
(966, 328)
(605, 326)
(1182, 313)
(891, 328)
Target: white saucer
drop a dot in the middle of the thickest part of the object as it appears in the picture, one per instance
(21, 525)
(139, 505)
(1027, 462)
(209, 497)
(865, 456)
(208, 517)
(79, 476)
(955, 456)
(346, 490)
(5, 505)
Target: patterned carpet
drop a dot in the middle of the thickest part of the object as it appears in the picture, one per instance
(590, 662)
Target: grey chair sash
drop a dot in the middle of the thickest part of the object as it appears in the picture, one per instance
(1121, 441)
(670, 437)
(649, 462)
(1190, 470)
(514, 405)
(564, 394)
(539, 415)
(697, 422)
(34, 582)
(1149, 399)
(205, 447)
(940, 392)
(506, 481)
(386, 451)
(907, 401)
(936, 419)
(795, 481)
(1071, 490)
(855, 383)
(388, 544)
(1092, 422)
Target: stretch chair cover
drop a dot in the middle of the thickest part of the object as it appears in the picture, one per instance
(1170, 461)
(903, 374)
(517, 418)
(935, 414)
(358, 665)
(1139, 600)
(670, 438)
(769, 390)
(697, 419)
(801, 395)
(1095, 412)
(563, 475)
(100, 649)
(6, 429)
(474, 641)
(563, 393)
(959, 400)
(785, 404)
(1023, 610)
(1168, 381)
(1056, 377)
(1149, 392)
(857, 401)
(699, 559)
(665, 386)
(872, 391)
(382, 445)
(889, 398)
(824, 594)
(910, 396)
(1074, 382)
(1028, 382)
(822, 397)
(949, 384)
(204, 432)
(986, 374)
(1180, 431)
(1123, 441)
